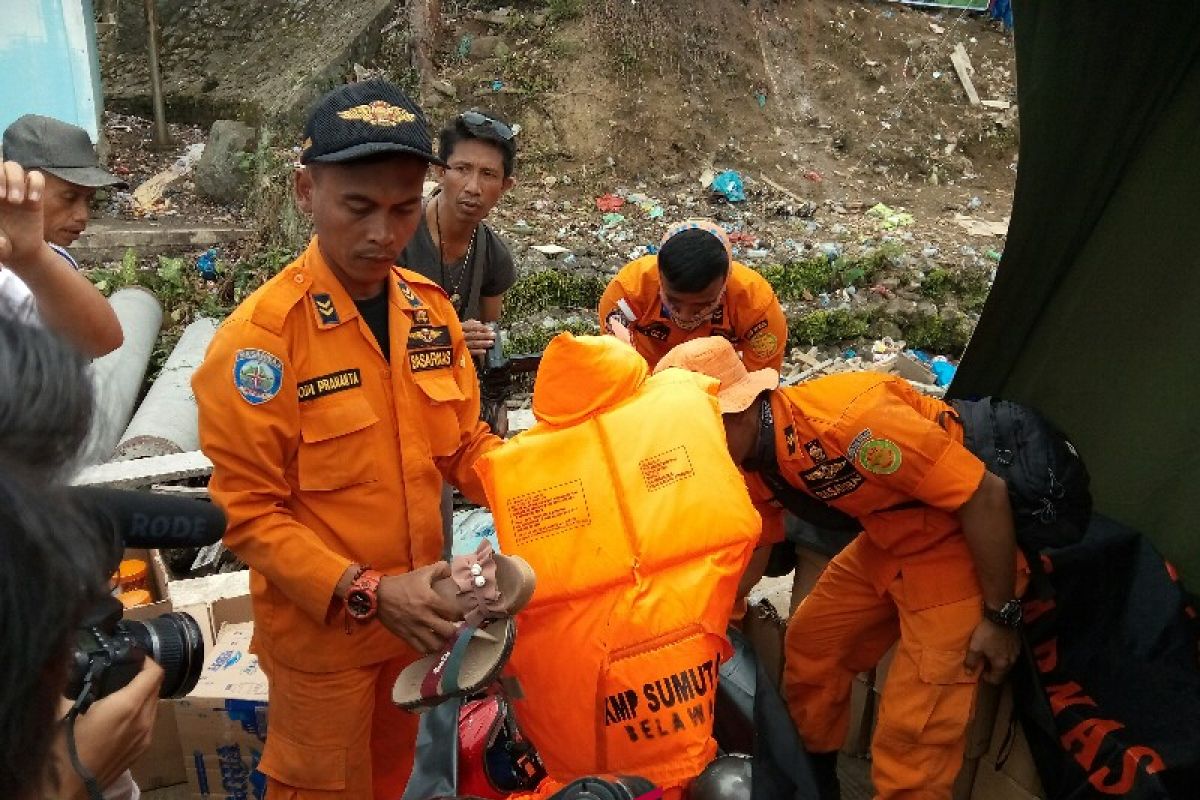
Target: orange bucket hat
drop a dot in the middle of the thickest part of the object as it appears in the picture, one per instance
(715, 357)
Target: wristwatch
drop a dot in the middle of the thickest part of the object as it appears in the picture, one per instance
(362, 601)
(1008, 616)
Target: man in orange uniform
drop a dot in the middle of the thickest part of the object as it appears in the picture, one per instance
(935, 567)
(693, 288)
(332, 403)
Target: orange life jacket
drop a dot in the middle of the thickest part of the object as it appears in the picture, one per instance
(626, 503)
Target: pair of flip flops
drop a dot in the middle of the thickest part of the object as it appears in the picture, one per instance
(489, 588)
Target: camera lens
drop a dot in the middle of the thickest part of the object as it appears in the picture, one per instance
(174, 641)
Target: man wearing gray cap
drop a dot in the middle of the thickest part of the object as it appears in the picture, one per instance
(47, 181)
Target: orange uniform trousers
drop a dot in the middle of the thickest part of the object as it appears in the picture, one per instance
(345, 739)
(843, 627)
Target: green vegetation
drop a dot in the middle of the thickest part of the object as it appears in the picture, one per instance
(937, 335)
(807, 278)
(552, 288)
(535, 339)
(564, 10)
(827, 327)
(970, 286)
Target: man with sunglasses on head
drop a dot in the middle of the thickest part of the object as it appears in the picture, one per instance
(453, 246)
(693, 288)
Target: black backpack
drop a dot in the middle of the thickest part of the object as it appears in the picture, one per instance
(1047, 481)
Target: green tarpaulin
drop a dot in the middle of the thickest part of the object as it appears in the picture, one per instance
(1095, 314)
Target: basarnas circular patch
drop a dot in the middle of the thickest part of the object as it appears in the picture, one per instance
(880, 456)
(765, 344)
(258, 375)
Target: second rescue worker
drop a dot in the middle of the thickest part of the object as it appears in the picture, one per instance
(693, 288)
(333, 402)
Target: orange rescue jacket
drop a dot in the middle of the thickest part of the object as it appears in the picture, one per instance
(750, 315)
(624, 499)
(324, 454)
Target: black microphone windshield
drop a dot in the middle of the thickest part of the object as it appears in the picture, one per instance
(148, 520)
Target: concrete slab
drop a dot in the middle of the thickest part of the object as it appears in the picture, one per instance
(108, 239)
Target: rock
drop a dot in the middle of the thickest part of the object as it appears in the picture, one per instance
(891, 329)
(486, 46)
(221, 174)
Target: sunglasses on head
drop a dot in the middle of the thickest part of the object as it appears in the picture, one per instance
(473, 119)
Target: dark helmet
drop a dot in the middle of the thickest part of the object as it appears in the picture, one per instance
(726, 778)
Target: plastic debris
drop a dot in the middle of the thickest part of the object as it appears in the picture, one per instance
(464, 46)
(729, 184)
(814, 176)
(206, 264)
(609, 202)
(550, 249)
(889, 218)
(497, 85)
(943, 371)
(993, 255)
(613, 219)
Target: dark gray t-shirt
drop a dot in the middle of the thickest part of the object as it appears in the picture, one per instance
(490, 273)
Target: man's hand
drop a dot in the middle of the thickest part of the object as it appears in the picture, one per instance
(412, 610)
(113, 733)
(994, 648)
(21, 192)
(618, 330)
(479, 336)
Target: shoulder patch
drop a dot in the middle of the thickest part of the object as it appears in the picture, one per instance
(858, 441)
(257, 374)
(880, 456)
(764, 344)
(407, 278)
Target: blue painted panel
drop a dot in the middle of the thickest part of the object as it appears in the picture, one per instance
(48, 62)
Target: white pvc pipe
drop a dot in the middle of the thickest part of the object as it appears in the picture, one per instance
(166, 421)
(117, 377)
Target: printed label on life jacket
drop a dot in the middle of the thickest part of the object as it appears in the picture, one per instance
(666, 468)
(549, 511)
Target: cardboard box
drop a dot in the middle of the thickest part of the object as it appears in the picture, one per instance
(223, 723)
(1013, 777)
(162, 763)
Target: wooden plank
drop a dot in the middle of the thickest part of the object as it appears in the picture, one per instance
(780, 188)
(962, 65)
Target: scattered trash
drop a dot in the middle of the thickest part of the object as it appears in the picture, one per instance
(761, 96)
(982, 227)
(943, 371)
(206, 264)
(974, 203)
(550, 250)
(743, 238)
(613, 219)
(729, 184)
(814, 176)
(757, 252)
(497, 85)
(609, 202)
(655, 212)
(148, 197)
(993, 255)
(889, 218)
(938, 29)
(464, 46)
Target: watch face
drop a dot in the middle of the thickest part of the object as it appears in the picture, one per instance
(358, 603)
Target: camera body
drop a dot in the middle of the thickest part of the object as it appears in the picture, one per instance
(109, 650)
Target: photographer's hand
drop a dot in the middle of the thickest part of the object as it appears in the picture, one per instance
(111, 735)
(412, 610)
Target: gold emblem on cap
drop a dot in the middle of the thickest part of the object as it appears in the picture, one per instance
(379, 114)
(307, 143)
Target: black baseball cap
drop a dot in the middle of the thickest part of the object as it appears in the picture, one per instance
(59, 148)
(366, 119)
